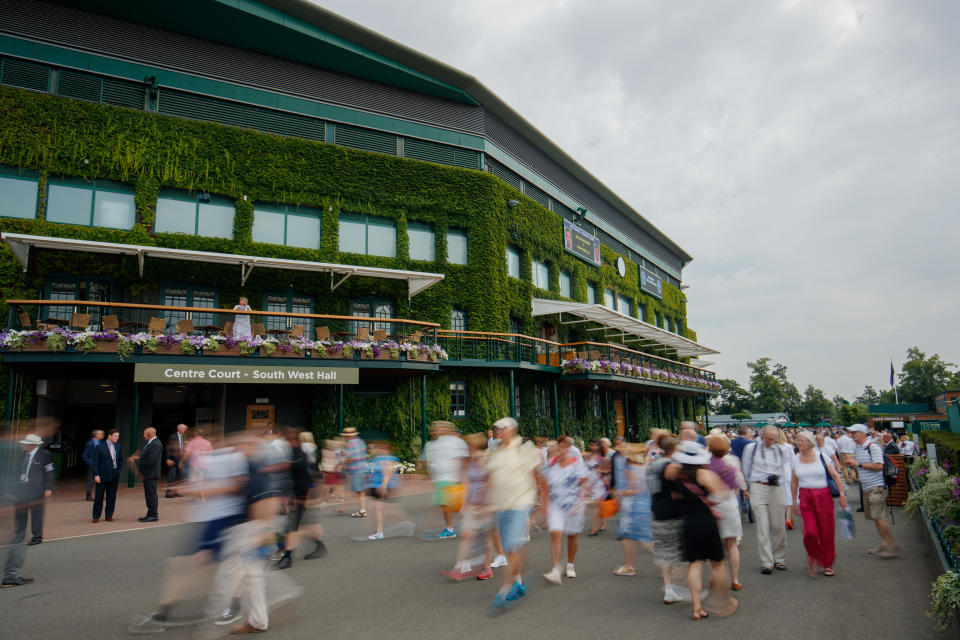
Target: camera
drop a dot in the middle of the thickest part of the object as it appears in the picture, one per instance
(773, 481)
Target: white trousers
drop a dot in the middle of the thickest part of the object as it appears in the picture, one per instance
(242, 565)
(768, 511)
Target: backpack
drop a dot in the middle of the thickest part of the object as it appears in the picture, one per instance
(890, 471)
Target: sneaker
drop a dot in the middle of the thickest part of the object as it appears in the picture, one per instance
(877, 549)
(485, 574)
(570, 572)
(284, 562)
(229, 616)
(517, 591)
(671, 597)
(148, 624)
(319, 552)
(552, 576)
(458, 574)
(376, 535)
(499, 561)
(499, 604)
(447, 533)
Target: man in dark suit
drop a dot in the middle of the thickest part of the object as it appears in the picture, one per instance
(175, 445)
(96, 436)
(148, 464)
(33, 484)
(107, 463)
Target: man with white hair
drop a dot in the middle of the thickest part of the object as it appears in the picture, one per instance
(868, 459)
(513, 485)
(764, 467)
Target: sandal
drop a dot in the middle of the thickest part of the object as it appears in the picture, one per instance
(779, 566)
(624, 571)
(828, 571)
(359, 514)
(592, 533)
(736, 586)
(700, 615)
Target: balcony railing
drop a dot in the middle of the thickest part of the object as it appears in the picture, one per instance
(88, 326)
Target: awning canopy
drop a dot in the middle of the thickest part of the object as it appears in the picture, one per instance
(613, 320)
(20, 245)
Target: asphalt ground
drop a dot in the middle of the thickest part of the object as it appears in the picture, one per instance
(96, 586)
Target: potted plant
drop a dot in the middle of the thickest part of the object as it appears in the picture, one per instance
(125, 348)
(12, 340)
(84, 342)
(56, 341)
(945, 599)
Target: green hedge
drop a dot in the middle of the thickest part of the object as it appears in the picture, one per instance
(67, 138)
(948, 448)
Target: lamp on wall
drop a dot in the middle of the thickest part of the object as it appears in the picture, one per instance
(513, 203)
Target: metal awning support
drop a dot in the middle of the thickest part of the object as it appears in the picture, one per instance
(342, 280)
(20, 245)
(626, 325)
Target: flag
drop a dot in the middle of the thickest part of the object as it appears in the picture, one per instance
(891, 373)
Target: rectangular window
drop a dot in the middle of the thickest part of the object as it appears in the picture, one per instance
(572, 403)
(368, 235)
(544, 401)
(641, 312)
(597, 412)
(517, 398)
(78, 288)
(97, 204)
(566, 284)
(189, 297)
(541, 275)
(423, 242)
(287, 225)
(609, 299)
(287, 302)
(458, 399)
(623, 304)
(18, 197)
(456, 246)
(371, 309)
(591, 293)
(513, 262)
(458, 320)
(197, 215)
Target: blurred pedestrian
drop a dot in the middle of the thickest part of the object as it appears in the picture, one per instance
(599, 466)
(107, 465)
(331, 464)
(300, 480)
(564, 494)
(667, 525)
(445, 454)
(176, 445)
(95, 437)
(727, 467)
(635, 526)
(355, 468)
(478, 515)
(513, 483)
(34, 486)
(380, 482)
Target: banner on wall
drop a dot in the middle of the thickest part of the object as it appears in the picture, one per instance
(243, 374)
(651, 283)
(580, 243)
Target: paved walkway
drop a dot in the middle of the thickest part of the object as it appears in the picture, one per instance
(94, 586)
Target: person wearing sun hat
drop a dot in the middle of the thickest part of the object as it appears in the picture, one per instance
(33, 484)
(701, 490)
(354, 468)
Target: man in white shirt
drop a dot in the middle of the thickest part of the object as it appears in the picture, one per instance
(845, 447)
(764, 468)
(868, 457)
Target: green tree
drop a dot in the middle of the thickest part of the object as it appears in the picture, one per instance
(766, 390)
(872, 396)
(732, 398)
(815, 406)
(852, 414)
(789, 393)
(921, 377)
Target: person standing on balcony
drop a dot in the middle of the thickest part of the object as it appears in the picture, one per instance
(241, 323)
(95, 437)
(175, 450)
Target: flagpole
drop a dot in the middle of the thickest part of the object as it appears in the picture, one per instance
(896, 394)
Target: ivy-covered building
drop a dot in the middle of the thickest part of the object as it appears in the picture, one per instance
(411, 247)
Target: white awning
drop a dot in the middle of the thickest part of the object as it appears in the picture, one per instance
(644, 333)
(703, 364)
(20, 245)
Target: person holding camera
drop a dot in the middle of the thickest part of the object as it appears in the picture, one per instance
(765, 466)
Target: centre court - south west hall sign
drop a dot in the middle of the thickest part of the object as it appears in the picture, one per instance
(244, 374)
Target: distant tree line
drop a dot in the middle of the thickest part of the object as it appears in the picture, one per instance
(770, 391)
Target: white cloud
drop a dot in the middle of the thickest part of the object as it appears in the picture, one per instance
(804, 153)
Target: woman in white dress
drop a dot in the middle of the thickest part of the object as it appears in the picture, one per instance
(241, 324)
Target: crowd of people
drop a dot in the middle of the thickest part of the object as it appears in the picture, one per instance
(679, 498)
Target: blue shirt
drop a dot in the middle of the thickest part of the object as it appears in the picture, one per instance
(375, 477)
(737, 445)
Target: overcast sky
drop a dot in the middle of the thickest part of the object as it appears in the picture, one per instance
(806, 154)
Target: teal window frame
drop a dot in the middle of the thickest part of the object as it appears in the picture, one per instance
(94, 186)
(273, 323)
(544, 397)
(369, 221)
(377, 307)
(456, 232)
(199, 318)
(591, 292)
(623, 304)
(186, 196)
(610, 298)
(288, 211)
(459, 400)
(458, 319)
(65, 312)
(422, 227)
(641, 312)
(566, 284)
(541, 275)
(514, 253)
(12, 173)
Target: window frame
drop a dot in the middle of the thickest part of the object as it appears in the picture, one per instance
(544, 398)
(272, 323)
(287, 211)
(565, 275)
(463, 406)
(538, 266)
(96, 313)
(184, 196)
(422, 226)
(27, 176)
(623, 304)
(94, 186)
(613, 298)
(591, 292)
(511, 250)
(368, 221)
(373, 302)
(459, 232)
(190, 290)
(462, 319)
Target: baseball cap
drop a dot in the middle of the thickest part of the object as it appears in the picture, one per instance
(861, 428)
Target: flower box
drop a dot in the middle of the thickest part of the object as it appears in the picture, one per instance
(40, 346)
(280, 353)
(107, 346)
(330, 355)
(168, 350)
(384, 355)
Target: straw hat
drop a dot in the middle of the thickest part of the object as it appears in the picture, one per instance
(32, 439)
(349, 432)
(636, 453)
(691, 453)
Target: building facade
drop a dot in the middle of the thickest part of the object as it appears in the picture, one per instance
(411, 248)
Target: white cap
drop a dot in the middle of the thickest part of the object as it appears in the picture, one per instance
(859, 428)
(506, 423)
(32, 439)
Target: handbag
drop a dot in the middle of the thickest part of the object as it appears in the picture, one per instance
(609, 508)
(834, 490)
